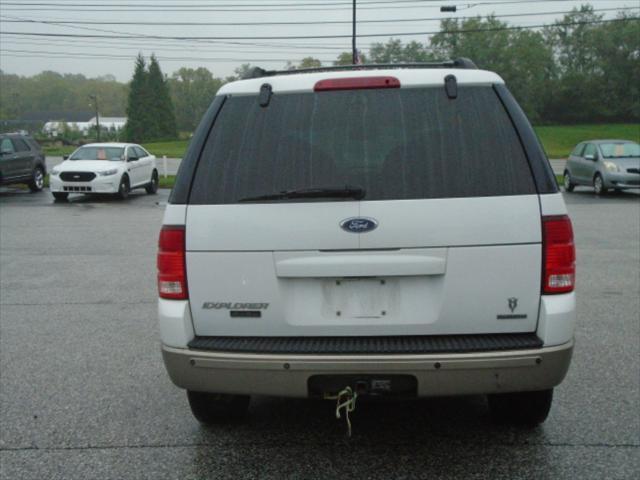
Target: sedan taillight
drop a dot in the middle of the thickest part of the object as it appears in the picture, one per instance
(172, 277)
(559, 255)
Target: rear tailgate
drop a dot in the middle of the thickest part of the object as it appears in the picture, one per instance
(457, 248)
(475, 272)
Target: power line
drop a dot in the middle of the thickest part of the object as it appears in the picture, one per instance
(63, 43)
(232, 5)
(242, 8)
(146, 43)
(303, 37)
(314, 22)
(187, 6)
(131, 57)
(142, 37)
(143, 44)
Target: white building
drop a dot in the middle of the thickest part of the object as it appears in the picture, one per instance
(55, 128)
(112, 123)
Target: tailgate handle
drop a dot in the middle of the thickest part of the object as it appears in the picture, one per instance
(360, 266)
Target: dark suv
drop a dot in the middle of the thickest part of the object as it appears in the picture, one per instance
(21, 161)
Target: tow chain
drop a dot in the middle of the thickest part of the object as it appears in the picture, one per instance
(345, 400)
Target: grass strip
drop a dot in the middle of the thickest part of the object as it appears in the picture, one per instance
(558, 140)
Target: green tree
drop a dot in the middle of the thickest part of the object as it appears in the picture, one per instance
(241, 72)
(618, 51)
(192, 91)
(522, 58)
(598, 68)
(578, 73)
(138, 114)
(51, 91)
(346, 58)
(306, 62)
(395, 52)
(163, 121)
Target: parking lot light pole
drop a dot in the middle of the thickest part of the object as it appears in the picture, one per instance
(353, 39)
(95, 103)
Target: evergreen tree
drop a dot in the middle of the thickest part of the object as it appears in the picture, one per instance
(138, 114)
(163, 119)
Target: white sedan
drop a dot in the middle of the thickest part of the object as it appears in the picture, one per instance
(112, 168)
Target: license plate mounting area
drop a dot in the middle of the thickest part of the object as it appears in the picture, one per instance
(400, 386)
(359, 297)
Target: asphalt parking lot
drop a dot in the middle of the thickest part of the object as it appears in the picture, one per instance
(84, 394)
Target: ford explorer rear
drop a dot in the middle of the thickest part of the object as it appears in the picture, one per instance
(377, 230)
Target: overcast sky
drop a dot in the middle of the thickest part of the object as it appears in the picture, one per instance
(92, 57)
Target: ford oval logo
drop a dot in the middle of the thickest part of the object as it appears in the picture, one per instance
(358, 224)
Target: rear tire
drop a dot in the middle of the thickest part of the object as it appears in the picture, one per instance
(598, 185)
(568, 184)
(152, 187)
(216, 408)
(123, 190)
(60, 196)
(37, 180)
(521, 408)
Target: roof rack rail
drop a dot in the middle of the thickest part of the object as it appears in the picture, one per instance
(257, 72)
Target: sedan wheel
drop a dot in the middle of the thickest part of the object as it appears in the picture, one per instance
(598, 185)
(152, 187)
(60, 196)
(568, 185)
(123, 191)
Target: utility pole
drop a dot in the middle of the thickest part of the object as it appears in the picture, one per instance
(353, 39)
(95, 103)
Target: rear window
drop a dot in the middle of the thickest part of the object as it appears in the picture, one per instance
(397, 144)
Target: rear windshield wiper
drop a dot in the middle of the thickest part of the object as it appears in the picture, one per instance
(348, 191)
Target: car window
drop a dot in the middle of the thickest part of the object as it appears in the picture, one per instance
(590, 149)
(98, 153)
(131, 152)
(6, 146)
(33, 144)
(140, 152)
(577, 152)
(20, 145)
(405, 143)
(620, 149)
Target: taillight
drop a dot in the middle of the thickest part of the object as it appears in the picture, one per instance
(172, 278)
(356, 83)
(559, 255)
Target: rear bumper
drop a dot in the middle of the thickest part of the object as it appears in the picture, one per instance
(436, 374)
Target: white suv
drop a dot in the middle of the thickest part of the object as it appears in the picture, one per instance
(393, 229)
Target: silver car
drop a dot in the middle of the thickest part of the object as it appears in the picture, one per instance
(603, 164)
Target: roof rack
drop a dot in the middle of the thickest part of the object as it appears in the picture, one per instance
(257, 72)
